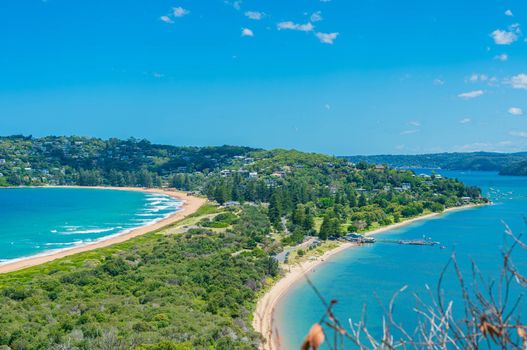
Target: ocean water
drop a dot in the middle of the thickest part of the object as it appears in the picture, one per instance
(40, 220)
(364, 279)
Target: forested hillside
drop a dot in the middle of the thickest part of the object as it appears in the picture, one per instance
(487, 161)
(308, 190)
(304, 188)
(91, 161)
(515, 169)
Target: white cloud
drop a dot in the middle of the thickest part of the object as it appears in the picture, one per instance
(493, 81)
(308, 27)
(316, 16)
(415, 123)
(519, 81)
(518, 133)
(176, 13)
(508, 13)
(471, 94)
(236, 4)
(327, 38)
(255, 15)
(247, 32)
(465, 120)
(503, 57)
(439, 81)
(516, 28)
(474, 78)
(503, 37)
(476, 146)
(515, 111)
(180, 12)
(166, 19)
(409, 132)
(501, 146)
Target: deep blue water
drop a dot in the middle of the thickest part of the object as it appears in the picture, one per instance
(370, 275)
(37, 220)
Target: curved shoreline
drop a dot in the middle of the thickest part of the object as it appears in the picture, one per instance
(263, 316)
(189, 205)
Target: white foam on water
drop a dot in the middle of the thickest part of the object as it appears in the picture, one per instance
(71, 229)
(88, 231)
(158, 198)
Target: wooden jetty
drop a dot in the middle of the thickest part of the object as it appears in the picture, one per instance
(410, 242)
(361, 239)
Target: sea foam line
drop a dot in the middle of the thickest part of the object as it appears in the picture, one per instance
(95, 230)
(88, 242)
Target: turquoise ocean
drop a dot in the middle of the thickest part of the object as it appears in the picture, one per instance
(364, 279)
(41, 220)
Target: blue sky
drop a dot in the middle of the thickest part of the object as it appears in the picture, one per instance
(333, 76)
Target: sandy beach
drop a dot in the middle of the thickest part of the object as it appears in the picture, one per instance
(263, 321)
(190, 205)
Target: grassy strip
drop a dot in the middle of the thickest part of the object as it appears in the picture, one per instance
(69, 263)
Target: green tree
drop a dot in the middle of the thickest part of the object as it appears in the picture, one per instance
(276, 209)
(362, 200)
(325, 228)
(144, 178)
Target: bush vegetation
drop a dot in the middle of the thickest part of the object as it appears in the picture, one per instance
(155, 292)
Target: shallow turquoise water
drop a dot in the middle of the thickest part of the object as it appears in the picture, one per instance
(370, 275)
(38, 220)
